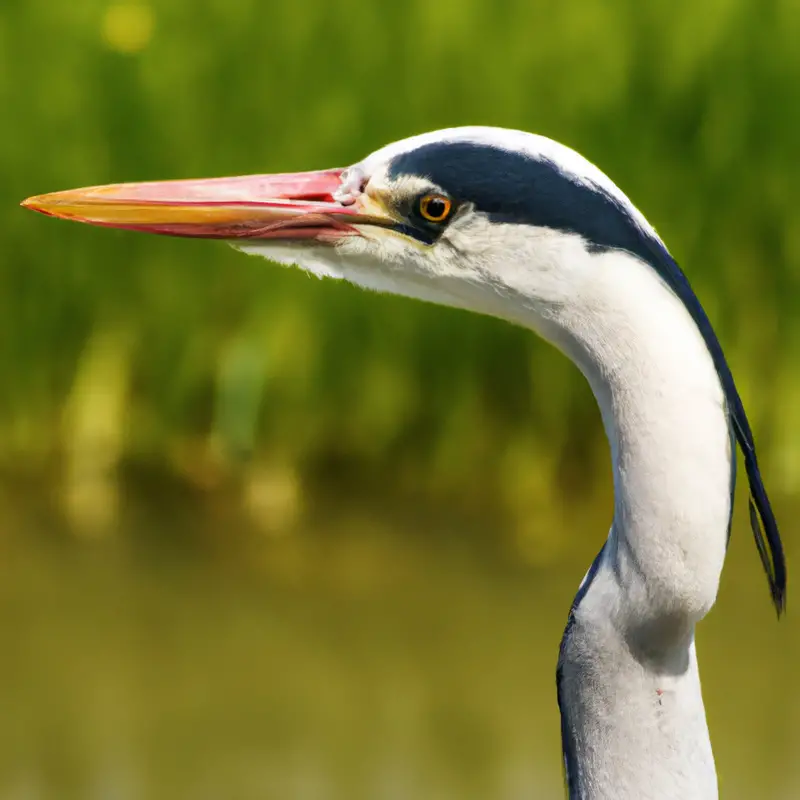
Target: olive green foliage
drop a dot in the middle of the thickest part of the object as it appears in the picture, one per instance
(185, 355)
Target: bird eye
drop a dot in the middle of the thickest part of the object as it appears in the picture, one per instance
(435, 207)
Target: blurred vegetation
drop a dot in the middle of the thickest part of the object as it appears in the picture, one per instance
(177, 391)
(183, 354)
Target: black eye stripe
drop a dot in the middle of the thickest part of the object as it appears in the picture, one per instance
(519, 188)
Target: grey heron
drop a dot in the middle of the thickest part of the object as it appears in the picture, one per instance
(517, 226)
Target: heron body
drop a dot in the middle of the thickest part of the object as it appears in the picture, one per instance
(517, 226)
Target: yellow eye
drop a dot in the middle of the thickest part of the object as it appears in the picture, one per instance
(435, 207)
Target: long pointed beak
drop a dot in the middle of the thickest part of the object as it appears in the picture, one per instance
(290, 206)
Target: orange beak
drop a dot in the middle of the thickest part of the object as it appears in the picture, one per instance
(293, 206)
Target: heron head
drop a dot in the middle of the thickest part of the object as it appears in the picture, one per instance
(472, 217)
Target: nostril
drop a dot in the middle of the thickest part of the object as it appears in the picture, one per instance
(353, 183)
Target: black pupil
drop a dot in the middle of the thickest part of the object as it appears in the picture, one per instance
(436, 207)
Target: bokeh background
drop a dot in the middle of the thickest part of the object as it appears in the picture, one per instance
(264, 536)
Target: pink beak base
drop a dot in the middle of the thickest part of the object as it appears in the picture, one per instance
(285, 206)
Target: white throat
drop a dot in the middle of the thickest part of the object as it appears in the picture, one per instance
(664, 413)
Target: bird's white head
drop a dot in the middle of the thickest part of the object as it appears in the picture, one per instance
(472, 217)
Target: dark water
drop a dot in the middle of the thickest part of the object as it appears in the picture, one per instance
(356, 656)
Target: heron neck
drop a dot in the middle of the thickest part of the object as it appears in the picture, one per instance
(664, 414)
(633, 720)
